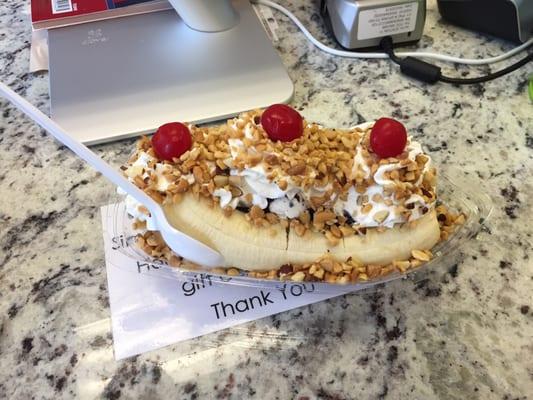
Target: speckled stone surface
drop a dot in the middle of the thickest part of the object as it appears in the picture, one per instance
(465, 332)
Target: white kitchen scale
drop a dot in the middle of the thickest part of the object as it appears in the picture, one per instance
(124, 77)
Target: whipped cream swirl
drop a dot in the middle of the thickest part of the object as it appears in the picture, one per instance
(289, 203)
(257, 189)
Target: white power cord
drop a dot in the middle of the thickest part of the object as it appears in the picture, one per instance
(352, 54)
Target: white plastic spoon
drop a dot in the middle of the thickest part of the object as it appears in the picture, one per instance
(184, 245)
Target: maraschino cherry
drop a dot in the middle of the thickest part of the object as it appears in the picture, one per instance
(282, 122)
(388, 138)
(171, 140)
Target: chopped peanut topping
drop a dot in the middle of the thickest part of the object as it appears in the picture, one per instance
(325, 269)
(321, 158)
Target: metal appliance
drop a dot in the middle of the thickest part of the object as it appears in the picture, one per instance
(361, 24)
(125, 77)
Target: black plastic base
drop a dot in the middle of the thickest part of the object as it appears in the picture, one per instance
(496, 17)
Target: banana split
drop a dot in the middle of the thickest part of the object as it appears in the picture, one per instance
(281, 198)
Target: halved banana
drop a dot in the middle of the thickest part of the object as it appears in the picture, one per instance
(242, 244)
(310, 247)
(393, 244)
(253, 248)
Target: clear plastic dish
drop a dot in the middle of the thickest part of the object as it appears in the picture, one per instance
(454, 190)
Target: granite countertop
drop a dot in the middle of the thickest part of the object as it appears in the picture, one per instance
(463, 333)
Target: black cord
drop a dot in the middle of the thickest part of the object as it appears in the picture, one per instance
(431, 73)
(387, 46)
(489, 77)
